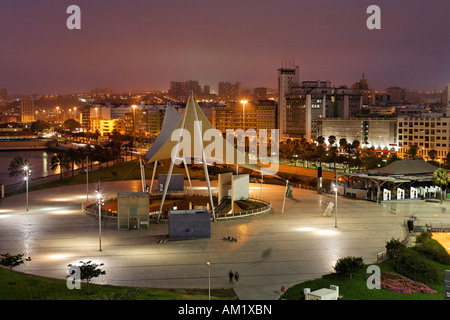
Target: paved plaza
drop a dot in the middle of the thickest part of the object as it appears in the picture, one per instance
(272, 250)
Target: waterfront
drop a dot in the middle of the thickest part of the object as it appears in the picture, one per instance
(39, 163)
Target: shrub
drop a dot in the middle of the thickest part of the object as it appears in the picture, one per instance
(348, 266)
(394, 247)
(413, 265)
(423, 237)
(433, 250)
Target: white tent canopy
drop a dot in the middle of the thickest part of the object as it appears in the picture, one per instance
(195, 138)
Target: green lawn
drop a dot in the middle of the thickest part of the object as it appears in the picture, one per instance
(28, 287)
(356, 288)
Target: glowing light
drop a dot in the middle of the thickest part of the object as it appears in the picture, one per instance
(61, 211)
(61, 199)
(326, 232)
(305, 229)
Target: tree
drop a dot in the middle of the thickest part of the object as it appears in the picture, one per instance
(61, 161)
(348, 266)
(129, 147)
(412, 151)
(320, 140)
(332, 140)
(17, 165)
(342, 143)
(40, 126)
(74, 157)
(71, 125)
(440, 177)
(89, 271)
(11, 261)
(432, 154)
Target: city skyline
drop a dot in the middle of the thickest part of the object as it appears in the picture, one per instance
(137, 45)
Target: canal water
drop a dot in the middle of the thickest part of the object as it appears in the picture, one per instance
(39, 164)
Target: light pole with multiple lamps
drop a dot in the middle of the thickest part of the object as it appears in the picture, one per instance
(26, 175)
(100, 202)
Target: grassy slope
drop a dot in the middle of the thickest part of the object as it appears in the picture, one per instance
(356, 288)
(28, 287)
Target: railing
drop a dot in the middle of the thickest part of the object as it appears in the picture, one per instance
(252, 212)
(91, 208)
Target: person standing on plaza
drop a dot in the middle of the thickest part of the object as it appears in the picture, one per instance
(236, 277)
(230, 274)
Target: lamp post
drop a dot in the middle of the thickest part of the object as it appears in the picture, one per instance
(100, 203)
(27, 173)
(335, 189)
(209, 280)
(243, 112)
(57, 114)
(134, 121)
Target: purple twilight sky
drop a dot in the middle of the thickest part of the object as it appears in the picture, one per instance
(145, 44)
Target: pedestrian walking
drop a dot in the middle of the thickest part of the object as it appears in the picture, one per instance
(236, 277)
(230, 274)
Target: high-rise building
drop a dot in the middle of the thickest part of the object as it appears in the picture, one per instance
(307, 103)
(27, 110)
(229, 91)
(446, 99)
(287, 78)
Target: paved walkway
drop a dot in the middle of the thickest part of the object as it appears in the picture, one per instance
(273, 250)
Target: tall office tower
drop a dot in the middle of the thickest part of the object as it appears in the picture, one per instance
(27, 110)
(206, 90)
(446, 99)
(177, 90)
(311, 101)
(287, 78)
(192, 85)
(229, 91)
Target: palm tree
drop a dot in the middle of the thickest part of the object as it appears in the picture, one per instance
(17, 165)
(440, 177)
(331, 140)
(74, 157)
(342, 143)
(60, 160)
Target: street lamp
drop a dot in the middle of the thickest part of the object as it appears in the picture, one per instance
(27, 173)
(57, 114)
(100, 202)
(335, 189)
(209, 280)
(134, 120)
(243, 112)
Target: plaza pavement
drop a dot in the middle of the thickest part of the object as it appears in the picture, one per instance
(272, 250)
